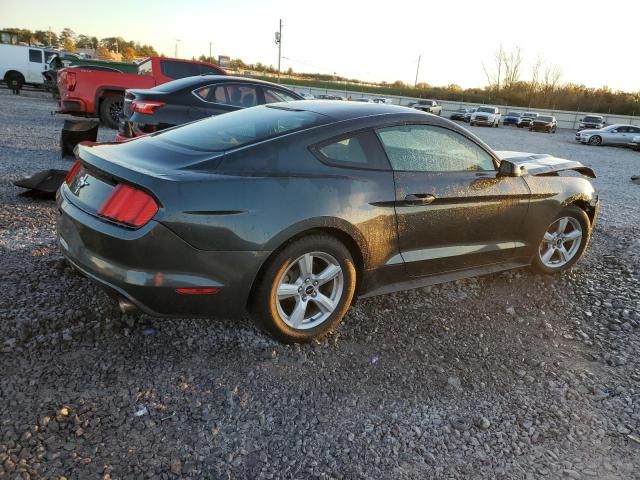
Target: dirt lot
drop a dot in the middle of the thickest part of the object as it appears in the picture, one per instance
(511, 376)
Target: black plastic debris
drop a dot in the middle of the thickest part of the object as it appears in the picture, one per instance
(636, 179)
(46, 181)
(76, 131)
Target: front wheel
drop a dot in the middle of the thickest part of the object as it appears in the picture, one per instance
(564, 241)
(595, 140)
(14, 80)
(306, 289)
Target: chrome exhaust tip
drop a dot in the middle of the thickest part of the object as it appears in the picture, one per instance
(126, 306)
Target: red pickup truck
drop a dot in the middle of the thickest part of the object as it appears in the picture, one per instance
(100, 93)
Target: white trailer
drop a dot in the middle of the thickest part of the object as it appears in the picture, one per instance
(20, 65)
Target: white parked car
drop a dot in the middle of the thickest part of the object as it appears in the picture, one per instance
(382, 100)
(611, 135)
(306, 96)
(363, 100)
(20, 65)
(635, 143)
(486, 115)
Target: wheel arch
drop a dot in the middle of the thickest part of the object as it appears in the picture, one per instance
(348, 239)
(104, 92)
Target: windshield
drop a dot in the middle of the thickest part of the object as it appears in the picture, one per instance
(546, 119)
(231, 130)
(513, 114)
(593, 119)
(530, 115)
(487, 110)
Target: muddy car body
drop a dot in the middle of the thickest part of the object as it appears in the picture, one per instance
(323, 202)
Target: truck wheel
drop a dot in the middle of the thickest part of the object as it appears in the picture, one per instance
(110, 110)
(14, 80)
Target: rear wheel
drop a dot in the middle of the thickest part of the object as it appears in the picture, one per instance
(14, 80)
(110, 110)
(471, 124)
(564, 241)
(306, 289)
(595, 140)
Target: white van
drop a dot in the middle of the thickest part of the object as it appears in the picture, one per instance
(20, 65)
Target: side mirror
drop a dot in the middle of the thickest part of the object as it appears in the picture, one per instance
(581, 120)
(510, 169)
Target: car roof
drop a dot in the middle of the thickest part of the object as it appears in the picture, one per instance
(198, 80)
(340, 110)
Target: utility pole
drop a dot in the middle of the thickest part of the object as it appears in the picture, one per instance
(210, 57)
(50, 36)
(279, 43)
(415, 84)
(176, 49)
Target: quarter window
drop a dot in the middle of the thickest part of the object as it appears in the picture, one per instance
(424, 148)
(35, 56)
(361, 149)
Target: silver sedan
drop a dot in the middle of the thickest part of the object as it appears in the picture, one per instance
(612, 135)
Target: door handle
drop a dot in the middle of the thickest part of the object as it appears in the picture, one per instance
(419, 199)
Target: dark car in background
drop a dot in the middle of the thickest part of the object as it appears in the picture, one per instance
(527, 119)
(544, 123)
(291, 210)
(188, 99)
(591, 122)
(459, 113)
(470, 111)
(511, 118)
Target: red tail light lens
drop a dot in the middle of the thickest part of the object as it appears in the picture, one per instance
(71, 174)
(147, 108)
(70, 81)
(198, 291)
(129, 206)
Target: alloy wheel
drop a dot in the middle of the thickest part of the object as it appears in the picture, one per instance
(561, 242)
(595, 140)
(115, 109)
(309, 290)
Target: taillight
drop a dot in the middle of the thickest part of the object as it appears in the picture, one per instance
(146, 107)
(129, 206)
(70, 81)
(71, 174)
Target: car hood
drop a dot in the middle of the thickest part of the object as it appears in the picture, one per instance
(590, 130)
(539, 164)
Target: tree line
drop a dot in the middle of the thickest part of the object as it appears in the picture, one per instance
(70, 41)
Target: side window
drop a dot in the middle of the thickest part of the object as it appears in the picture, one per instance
(35, 56)
(207, 70)
(272, 96)
(179, 69)
(424, 148)
(243, 96)
(361, 150)
(146, 68)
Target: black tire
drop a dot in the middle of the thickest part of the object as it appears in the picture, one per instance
(581, 216)
(14, 81)
(595, 140)
(265, 306)
(110, 110)
(471, 124)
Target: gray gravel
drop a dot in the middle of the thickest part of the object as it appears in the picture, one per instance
(511, 376)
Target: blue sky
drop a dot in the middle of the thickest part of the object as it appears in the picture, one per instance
(593, 44)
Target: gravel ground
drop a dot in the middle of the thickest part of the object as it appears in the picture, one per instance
(510, 376)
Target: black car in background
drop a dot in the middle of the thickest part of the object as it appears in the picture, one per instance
(527, 119)
(291, 210)
(591, 122)
(459, 114)
(544, 123)
(471, 111)
(193, 98)
(511, 118)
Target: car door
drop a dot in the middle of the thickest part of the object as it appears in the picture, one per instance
(35, 66)
(453, 210)
(621, 136)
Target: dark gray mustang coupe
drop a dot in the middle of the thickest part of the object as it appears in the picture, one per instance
(291, 210)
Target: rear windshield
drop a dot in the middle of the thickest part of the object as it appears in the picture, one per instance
(530, 115)
(175, 85)
(242, 127)
(513, 114)
(593, 119)
(545, 119)
(487, 109)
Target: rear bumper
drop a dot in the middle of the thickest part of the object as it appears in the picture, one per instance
(73, 106)
(147, 265)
